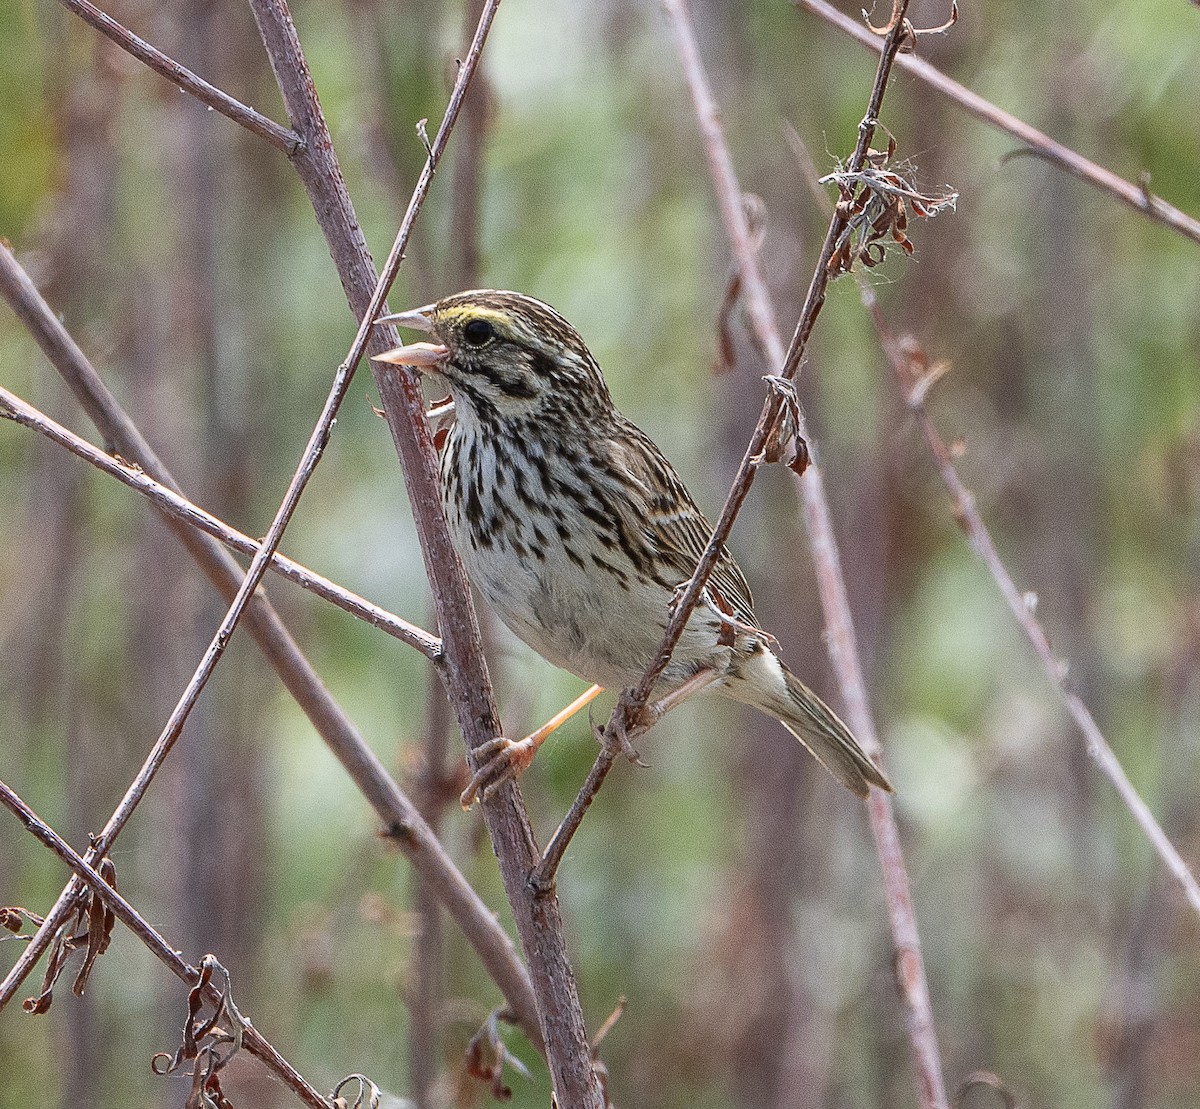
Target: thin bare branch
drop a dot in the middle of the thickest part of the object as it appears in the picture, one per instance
(842, 645)
(1134, 194)
(468, 172)
(398, 813)
(543, 877)
(254, 1040)
(910, 369)
(172, 504)
(628, 720)
(283, 138)
(915, 376)
(538, 920)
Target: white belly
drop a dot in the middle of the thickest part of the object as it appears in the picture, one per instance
(551, 580)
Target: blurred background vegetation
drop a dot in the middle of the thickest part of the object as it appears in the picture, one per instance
(730, 891)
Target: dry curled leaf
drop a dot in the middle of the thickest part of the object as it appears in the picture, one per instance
(773, 449)
(13, 917)
(369, 1095)
(910, 32)
(982, 1079)
(756, 218)
(90, 927)
(889, 26)
(101, 921)
(206, 1041)
(487, 1055)
(876, 203)
(801, 458)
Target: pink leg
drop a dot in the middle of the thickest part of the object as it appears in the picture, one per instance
(504, 759)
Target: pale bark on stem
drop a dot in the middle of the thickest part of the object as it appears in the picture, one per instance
(254, 1040)
(398, 813)
(258, 124)
(180, 508)
(538, 919)
(438, 766)
(1136, 195)
(842, 645)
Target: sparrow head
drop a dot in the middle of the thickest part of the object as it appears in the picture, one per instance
(503, 352)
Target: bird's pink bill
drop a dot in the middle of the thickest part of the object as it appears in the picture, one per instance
(415, 318)
(418, 355)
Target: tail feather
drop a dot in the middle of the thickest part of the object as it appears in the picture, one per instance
(820, 729)
(772, 688)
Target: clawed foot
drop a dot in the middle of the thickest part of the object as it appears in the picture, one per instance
(620, 743)
(500, 760)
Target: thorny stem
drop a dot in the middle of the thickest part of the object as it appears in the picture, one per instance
(538, 920)
(180, 508)
(1134, 194)
(254, 1040)
(625, 722)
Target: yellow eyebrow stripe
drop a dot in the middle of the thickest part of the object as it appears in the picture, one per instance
(459, 312)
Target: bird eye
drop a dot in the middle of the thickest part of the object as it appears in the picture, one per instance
(477, 332)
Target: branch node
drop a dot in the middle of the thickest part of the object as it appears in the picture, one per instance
(399, 830)
(423, 135)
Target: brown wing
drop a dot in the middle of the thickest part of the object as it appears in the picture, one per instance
(671, 522)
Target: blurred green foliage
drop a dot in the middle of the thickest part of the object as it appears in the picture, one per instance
(1059, 954)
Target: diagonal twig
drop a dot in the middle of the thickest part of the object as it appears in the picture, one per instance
(980, 539)
(398, 813)
(173, 504)
(624, 722)
(281, 137)
(1135, 194)
(254, 1040)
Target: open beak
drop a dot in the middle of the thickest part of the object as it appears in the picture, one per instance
(418, 355)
